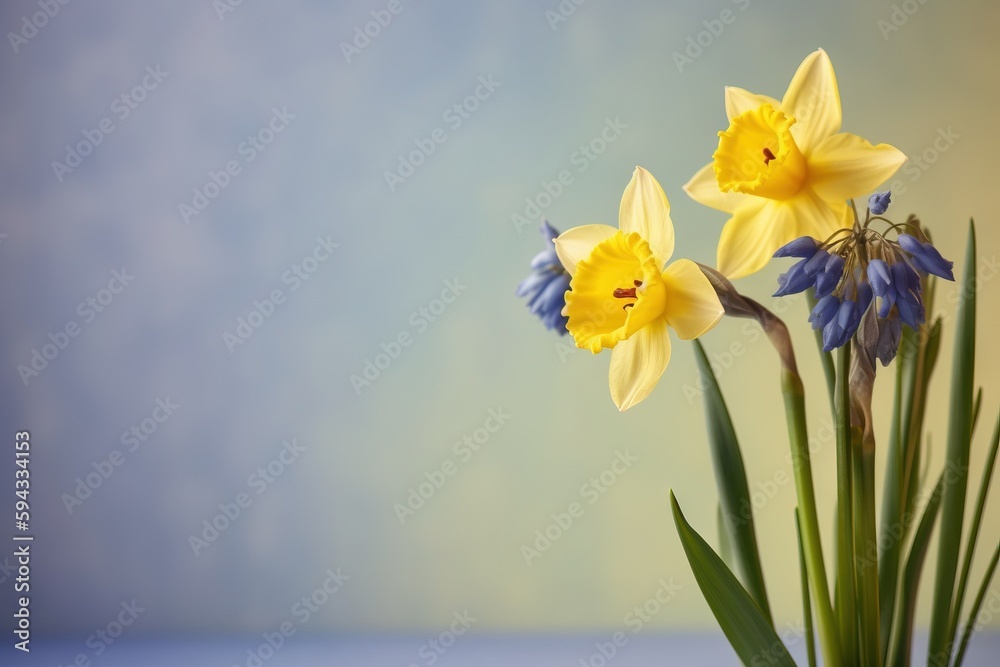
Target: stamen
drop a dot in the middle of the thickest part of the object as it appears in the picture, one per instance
(622, 293)
(768, 156)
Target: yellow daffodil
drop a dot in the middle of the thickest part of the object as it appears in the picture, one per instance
(621, 297)
(784, 169)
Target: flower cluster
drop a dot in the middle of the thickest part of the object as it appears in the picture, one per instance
(784, 171)
(546, 287)
(853, 268)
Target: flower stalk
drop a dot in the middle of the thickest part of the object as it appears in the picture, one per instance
(737, 305)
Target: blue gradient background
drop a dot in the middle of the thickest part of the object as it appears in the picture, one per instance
(451, 220)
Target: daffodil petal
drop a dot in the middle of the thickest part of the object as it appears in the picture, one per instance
(758, 229)
(704, 189)
(693, 306)
(637, 364)
(576, 244)
(739, 100)
(845, 166)
(813, 99)
(644, 209)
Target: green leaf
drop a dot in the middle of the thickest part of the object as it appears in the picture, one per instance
(902, 636)
(748, 631)
(725, 543)
(974, 612)
(975, 409)
(890, 546)
(977, 518)
(731, 479)
(956, 456)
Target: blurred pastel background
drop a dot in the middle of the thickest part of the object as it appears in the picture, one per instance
(411, 280)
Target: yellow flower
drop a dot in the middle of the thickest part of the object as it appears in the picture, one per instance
(621, 297)
(784, 169)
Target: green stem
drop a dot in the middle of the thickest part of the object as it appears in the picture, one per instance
(846, 604)
(807, 618)
(866, 548)
(795, 411)
(826, 360)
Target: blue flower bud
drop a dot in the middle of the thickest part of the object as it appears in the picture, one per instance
(795, 281)
(878, 276)
(926, 257)
(911, 313)
(824, 311)
(879, 203)
(834, 335)
(804, 246)
(826, 282)
(910, 244)
(888, 301)
(817, 262)
(835, 264)
(547, 284)
(849, 315)
(904, 279)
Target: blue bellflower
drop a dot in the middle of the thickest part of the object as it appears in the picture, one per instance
(878, 203)
(860, 270)
(545, 288)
